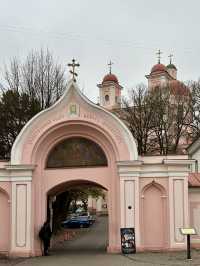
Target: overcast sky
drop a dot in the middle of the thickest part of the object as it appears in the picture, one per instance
(128, 32)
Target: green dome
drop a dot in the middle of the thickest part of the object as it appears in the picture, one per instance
(171, 66)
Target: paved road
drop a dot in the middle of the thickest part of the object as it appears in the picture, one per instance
(89, 250)
(89, 240)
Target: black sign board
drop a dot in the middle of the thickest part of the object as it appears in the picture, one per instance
(128, 240)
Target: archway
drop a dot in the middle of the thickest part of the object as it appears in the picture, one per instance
(5, 221)
(102, 173)
(76, 229)
(72, 116)
(153, 216)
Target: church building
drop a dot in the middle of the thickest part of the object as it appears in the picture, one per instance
(156, 195)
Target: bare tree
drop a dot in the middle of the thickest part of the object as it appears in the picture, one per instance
(137, 114)
(195, 107)
(159, 119)
(27, 88)
(12, 74)
(172, 119)
(162, 120)
(39, 76)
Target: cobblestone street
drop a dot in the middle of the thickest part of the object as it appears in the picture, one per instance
(88, 249)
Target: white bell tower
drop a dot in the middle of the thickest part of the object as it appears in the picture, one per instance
(110, 91)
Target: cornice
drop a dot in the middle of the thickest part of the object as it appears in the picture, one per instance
(178, 161)
(20, 167)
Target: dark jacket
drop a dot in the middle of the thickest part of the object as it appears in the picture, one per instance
(45, 232)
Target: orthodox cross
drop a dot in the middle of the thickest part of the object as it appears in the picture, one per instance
(159, 55)
(170, 58)
(73, 65)
(110, 67)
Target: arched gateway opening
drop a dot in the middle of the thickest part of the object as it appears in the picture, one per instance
(70, 153)
(68, 206)
(72, 142)
(78, 217)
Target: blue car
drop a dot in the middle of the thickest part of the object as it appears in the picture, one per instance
(77, 222)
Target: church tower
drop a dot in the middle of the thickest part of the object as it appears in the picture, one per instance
(161, 75)
(110, 91)
(166, 76)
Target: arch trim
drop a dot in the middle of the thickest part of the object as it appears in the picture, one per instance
(72, 88)
(155, 184)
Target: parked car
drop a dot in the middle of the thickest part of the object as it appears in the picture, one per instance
(90, 217)
(77, 222)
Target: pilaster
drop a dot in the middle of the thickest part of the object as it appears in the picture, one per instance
(21, 210)
(129, 196)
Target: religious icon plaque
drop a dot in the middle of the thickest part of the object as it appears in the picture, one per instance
(74, 109)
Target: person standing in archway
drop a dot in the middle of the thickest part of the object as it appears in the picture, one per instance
(45, 236)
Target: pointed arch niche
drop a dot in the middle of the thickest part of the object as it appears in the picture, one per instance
(153, 214)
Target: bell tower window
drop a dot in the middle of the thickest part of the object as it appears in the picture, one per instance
(107, 98)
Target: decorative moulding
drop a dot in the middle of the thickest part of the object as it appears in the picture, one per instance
(35, 127)
(20, 167)
(178, 161)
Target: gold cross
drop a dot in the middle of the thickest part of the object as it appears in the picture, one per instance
(159, 55)
(73, 65)
(110, 67)
(170, 56)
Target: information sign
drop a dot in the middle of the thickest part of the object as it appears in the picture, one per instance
(188, 231)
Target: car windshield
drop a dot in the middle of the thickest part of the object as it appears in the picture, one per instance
(84, 214)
